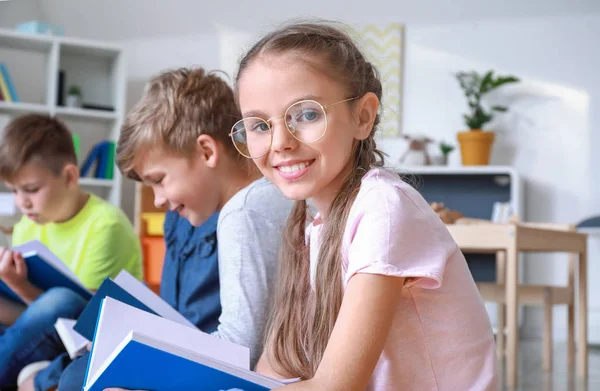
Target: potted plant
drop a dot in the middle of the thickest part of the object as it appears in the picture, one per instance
(74, 96)
(445, 149)
(476, 144)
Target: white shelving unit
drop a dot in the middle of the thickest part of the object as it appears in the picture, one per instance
(34, 62)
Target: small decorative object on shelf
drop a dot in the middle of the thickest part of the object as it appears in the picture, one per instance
(416, 154)
(476, 144)
(37, 27)
(445, 149)
(74, 96)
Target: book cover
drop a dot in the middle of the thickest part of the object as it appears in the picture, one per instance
(94, 156)
(86, 323)
(135, 349)
(144, 363)
(103, 160)
(110, 161)
(45, 270)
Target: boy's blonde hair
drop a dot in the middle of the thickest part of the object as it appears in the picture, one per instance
(176, 107)
(35, 138)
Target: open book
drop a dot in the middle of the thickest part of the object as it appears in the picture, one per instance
(126, 289)
(45, 270)
(134, 349)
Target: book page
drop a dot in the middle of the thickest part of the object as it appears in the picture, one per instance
(73, 341)
(149, 298)
(117, 320)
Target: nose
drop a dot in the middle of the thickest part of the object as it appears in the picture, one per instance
(282, 139)
(23, 201)
(159, 200)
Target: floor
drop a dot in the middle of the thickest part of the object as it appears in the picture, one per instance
(533, 378)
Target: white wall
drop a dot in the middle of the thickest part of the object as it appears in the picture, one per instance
(13, 12)
(143, 18)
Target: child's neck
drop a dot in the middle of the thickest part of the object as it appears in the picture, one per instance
(237, 180)
(76, 204)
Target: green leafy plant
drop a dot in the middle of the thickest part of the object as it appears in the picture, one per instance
(446, 148)
(475, 86)
(74, 90)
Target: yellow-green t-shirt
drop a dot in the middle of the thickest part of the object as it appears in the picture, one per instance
(98, 242)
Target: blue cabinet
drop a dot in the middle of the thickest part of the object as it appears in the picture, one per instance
(473, 192)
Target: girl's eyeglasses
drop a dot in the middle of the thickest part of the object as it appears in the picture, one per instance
(306, 121)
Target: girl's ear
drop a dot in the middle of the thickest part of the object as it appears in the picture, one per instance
(207, 149)
(366, 111)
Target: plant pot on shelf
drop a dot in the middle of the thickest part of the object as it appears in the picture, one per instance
(475, 147)
(73, 101)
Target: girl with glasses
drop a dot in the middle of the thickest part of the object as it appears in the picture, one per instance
(372, 293)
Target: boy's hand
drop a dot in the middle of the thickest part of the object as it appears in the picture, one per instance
(13, 272)
(13, 269)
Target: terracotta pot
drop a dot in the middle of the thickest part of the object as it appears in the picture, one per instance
(475, 147)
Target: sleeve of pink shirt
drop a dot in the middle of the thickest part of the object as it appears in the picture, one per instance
(392, 231)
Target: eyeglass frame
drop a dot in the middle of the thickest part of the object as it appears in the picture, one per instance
(268, 122)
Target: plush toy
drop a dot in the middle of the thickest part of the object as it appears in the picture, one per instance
(448, 216)
(416, 154)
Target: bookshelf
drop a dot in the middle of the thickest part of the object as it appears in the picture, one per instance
(99, 68)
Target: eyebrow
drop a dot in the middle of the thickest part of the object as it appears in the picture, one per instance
(150, 176)
(262, 114)
(12, 186)
(29, 184)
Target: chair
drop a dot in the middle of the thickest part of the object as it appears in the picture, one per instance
(546, 296)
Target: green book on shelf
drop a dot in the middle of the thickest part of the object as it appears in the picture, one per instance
(110, 165)
(76, 144)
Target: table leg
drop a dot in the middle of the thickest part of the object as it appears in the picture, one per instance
(512, 307)
(501, 307)
(573, 260)
(582, 346)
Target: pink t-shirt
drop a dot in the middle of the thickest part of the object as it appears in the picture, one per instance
(441, 337)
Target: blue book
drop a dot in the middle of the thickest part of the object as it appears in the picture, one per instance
(45, 270)
(126, 289)
(103, 160)
(135, 349)
(95, 156)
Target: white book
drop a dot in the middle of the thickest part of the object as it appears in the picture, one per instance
(120, 324)
(73, 341)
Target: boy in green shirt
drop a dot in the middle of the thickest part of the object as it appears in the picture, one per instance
(91, 236)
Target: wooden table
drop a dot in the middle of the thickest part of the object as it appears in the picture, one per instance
(513, 239)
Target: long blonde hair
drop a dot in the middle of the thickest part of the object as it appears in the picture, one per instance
(301, 320)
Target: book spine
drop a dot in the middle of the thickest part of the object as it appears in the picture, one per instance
(3, 86)
(9, 84)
